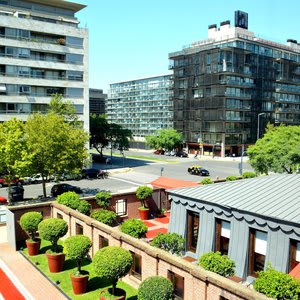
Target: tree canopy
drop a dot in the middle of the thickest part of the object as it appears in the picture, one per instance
(278, 151)
(165, 139)
(104, 133)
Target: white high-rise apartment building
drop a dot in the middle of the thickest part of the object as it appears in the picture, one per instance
(42, 52)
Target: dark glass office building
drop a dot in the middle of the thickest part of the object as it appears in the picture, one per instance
(229, 86)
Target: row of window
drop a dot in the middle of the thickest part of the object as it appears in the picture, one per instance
(257, 243)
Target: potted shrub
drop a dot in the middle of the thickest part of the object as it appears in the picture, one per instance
(29, 222)
(160, 213)
(52, 230)
(142, 193)
(171, 242)
(206, 181)
(105, 216)
(103, 199)
(72, 200)
(77, 247)
(156, 287)
(112, 263)
(218, 263)
(135, 228)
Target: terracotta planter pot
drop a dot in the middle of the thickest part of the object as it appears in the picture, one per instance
(121, 294)
(79, 284)
(33, 247)
(55, 262)
(144, 214)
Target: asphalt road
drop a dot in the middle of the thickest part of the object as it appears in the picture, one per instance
(127, 173)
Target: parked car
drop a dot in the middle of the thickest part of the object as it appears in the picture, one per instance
(170, 153)
(197, 170)
(159, 151)
(90, 173)
(16, 193)
(61, 188)
(181, 154)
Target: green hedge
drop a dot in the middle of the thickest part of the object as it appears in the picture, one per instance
(248, 175)
(105, 216)
(218, 263)
(277, 285)
(206, 181)
(171, 242)
(135, 228)
(156, 288)
(231, 178)
(103, 199)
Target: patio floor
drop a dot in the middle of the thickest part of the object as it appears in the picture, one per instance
(157, 225)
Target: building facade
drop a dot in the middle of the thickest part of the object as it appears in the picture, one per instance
(97, 101)
(43, 52)
(229, 86)
(141, 105)
(241, 220)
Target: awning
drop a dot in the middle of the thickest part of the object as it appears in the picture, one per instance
(170, 183)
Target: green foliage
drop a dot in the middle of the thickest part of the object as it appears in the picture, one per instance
(156, 288)
(218, 263)
(30, 221)
(165, 139)
(206, 181)
(134, 227)
(278, 151)
(277, 285)
(231, 178)
(142, 193)
(171, 242)
(54, 146)
(52, 230)
(84, 207)
(103, 199)
(111, 263)
(105, 216)
(77, 247)
(248, 175)
(72, 200)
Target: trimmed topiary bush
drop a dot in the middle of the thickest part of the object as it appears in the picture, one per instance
(105, 216)
(218, 263)
(84, 207)
(171, 242)
(248, 175)
(206, 181)
(135, 228)
(103, 199)
(277, 285)
(77, 247)
(112, 263)
(52, 230)
(156, 287)
(231, 178)
(29, 223)
(70, 199)
(142, 193)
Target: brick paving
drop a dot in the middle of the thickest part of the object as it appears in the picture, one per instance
(158, 225)
(29, 281)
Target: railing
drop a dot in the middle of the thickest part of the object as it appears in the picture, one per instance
(28, 94)
(42, 77)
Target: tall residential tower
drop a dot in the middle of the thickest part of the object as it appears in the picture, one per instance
(43, 51)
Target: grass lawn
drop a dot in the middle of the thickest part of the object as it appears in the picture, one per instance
(95, 283)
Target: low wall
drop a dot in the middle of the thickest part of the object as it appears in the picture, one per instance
(198, 283)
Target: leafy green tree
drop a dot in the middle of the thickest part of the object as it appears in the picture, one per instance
(12, 149)
(165, 139)
(54, 146)
(278, 151)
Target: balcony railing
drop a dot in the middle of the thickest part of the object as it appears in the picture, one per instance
(70, 78)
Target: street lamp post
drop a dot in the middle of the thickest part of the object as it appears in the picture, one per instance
(258, 126)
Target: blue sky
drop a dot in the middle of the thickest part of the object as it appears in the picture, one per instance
(130, 39)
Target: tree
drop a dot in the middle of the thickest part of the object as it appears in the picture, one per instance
(165, 139)
(278, 151)
(54, 146)
(104, 133)
(12, 149)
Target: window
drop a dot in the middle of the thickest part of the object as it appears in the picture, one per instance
(192, 231)
(258, 251)
(24, 89)
(78, 228)
(103, 242)
(121, 207)
(178, 283)
(222, 236)
(59, 216)
(136, 269)
(294, 254)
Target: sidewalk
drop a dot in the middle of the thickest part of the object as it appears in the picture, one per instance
(27, 279)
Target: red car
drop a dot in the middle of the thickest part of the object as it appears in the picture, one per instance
(15, 181)
(159, 151)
